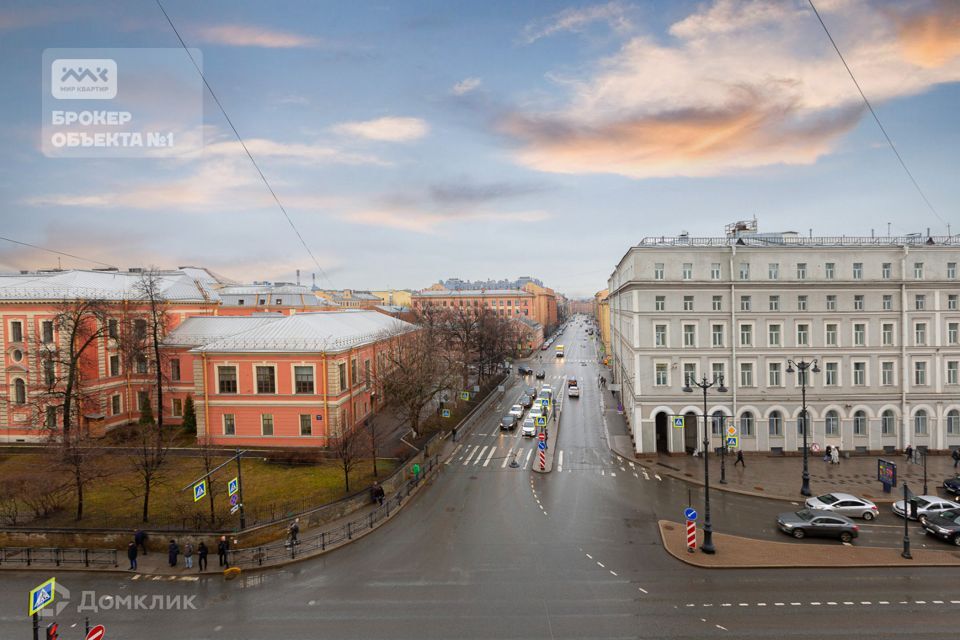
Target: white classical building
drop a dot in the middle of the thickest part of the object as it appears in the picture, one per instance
(880, 316)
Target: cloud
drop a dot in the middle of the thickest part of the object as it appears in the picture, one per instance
(388, 129)
(294, 152)
(458, 193)
(238, 35)
(24, 17)
(930, 40)
(740, 85)
(433, 222)
(465, 86)
(614, 14)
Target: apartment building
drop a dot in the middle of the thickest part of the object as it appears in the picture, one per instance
(879, 315)
(532, 301)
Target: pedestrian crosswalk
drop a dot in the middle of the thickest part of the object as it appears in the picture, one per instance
(570, 460)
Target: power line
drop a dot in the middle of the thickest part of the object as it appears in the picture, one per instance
(54, 251)
(244, 145)
(875, 117)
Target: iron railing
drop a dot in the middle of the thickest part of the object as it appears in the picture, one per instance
(58, 556)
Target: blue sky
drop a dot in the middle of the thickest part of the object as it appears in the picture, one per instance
(412, 141)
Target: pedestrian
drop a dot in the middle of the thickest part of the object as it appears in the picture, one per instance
(294, 531)
(188, 555)
(222, 551)
(909, 453)
(173, 550)
(740, 459)
(376, 493)
(835, 455)
(828, 455)
(140, 539)
(132, 555)
(956, 458)
(202, 556)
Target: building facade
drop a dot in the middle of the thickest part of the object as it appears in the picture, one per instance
(601, 313)
(533, 301)
(880, 316)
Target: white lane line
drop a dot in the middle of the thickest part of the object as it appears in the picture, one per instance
(454, 454)
(487, 461)
(612, 572)
(832, 604)
(527, 461)
(868, 602)
(482, 451)
(590, 556)
(778, 604)
(642, 589)
(886, 602)
(847, 602)
(951, 602)
(657, 476)
(721, 628)
(761, 604)
(726, 604)
(816, 604)
(921, 602)
(934, 602)
(795, 604)
(744, 604)
(600, 564)
(560, 461)
(613, 475)
(472, 451)
(508, 458)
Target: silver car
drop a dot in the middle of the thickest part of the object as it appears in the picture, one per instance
(845, 504)
(925, 505)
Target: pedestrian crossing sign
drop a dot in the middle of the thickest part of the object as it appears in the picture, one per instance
(678, 422)
(445, 413)
(199, 490)
(42, 595)
(733, 442)
(541, 421)
(233, 486)
(464, 395)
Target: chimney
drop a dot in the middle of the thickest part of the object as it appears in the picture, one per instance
(298, 277)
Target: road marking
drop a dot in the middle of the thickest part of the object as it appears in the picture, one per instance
(590, 556)
(602, 472)
(482, 451)
(613, 572)
(642, 589)
(560, 462)
(507, 459)
(721, 628)
(600, 564)
(865, 602)
(726, 604)
(832, 604)
(761, 604)
(613, 475)
(472, 451)
(921, 602)
(816, 604)
(795, 604)
(454, 454)
(657, 476)
(527, 461)
(489, 456)
(885, 602)
(746, 604)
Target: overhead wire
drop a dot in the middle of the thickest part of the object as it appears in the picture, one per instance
(55, 252)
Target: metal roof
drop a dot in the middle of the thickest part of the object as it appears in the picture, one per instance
(175, 286)
(472, 293)
(200, 330)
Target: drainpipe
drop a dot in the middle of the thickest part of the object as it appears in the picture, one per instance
(734, 336)
(206, 397)
(326, 414)
(904, 365)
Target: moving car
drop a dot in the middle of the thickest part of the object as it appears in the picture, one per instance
(529, 427)
(813, 522)
(516, 411)
(844, 504)
(508, 422)
(952, 485)
(925, 506)
(523, 371)
(530, 391)
(526, 400)
(536, 411)
(573, 392)
(541, 374)
(571, 382)
(944, 525)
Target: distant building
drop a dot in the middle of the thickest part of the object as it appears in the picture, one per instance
(350, 298)
(286, 298)
(456, 284)
(397, 297)
(601, 312)
(534, 302)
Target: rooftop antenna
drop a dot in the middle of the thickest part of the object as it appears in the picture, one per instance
(298, 277)
(888, 229)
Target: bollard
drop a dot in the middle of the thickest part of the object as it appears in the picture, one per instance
(323, 541)
(349, 534)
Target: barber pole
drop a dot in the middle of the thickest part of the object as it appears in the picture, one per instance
(691, 535)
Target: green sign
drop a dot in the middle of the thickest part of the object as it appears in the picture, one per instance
(415, 469)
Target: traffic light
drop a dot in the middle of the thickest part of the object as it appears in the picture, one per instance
(52, 631)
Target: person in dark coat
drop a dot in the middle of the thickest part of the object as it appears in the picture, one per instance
(202, 552)
(140, 539)
(740, 459)
(222, 551)
(377, 493)
(173, 550)
(132, 555)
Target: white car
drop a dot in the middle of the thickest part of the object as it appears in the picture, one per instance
(573, 392)
(844, 504)
(926, 505)
(516, 411)
(529, 428)
(536, 411)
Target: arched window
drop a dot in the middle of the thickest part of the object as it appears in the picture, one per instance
(860, 423)
(746, 424)
(953, 422)
(920, 422)
(832, 421)
(775, 423)
(20, 391)
(889, 423)
(717, 422)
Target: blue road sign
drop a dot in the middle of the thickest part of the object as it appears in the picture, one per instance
(233, 486)
(733, 442)
(42, 595)
(678, 422)
(690, 514)
(445, 413)
(542, 445)
(199, 490)
(541, 421)
(234, 499)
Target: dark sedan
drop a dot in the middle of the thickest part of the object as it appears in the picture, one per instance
(944, 525)
(812, 522)
(525, 401)
(541, 374)
(508, 422)
(530, 391)
(952, 485)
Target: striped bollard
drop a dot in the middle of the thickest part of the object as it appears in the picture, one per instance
(691, 535)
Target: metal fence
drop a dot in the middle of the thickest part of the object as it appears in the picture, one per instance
(58, 556)
(323, 540)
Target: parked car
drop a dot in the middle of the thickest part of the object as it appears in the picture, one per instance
(573, 392)
(944, 525)
(813, 522)
(523, 371)
(541, 374)
(529, 427)
(544, 346)
(844, 504)
(925, 506)
(508, 422)
(952, 485)
(526, 401)
(516, 411)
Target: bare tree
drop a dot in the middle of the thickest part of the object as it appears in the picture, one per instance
(208, 455)
(150, 327)
(80, 457)
(150, 452)
(373, 433)
(349, 447)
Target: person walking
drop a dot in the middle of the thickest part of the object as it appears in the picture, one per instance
(222, 551)
(740, 459)
(828, 454)
(173, 550)
(835, 455)
(909, 453)
(377, 493)
(956, 458)
(202, 556)
(188, 555)
(140, 539)
(132, 555)
(294, 531)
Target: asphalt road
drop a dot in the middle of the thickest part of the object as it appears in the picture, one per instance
(491, 551)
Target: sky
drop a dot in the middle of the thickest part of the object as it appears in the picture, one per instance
(412, 141)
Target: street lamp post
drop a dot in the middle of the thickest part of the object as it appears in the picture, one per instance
(803, 366)
(705, 384)
(925, 492)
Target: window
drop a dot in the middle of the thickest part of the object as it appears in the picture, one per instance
(174, 368)
(689, 373)
(715, 271)
(746, 335)
(279, 301)
(952, 302)
(801, 271)
(660, 303)
(953, 422)
(112, 329)
(918, 271)
(303, 379)
(744, 270)
(114, 366)
(115, 405)
(139, 329)
(888, 423)
(176, 407)
(16, 331)
(920, 333)
(887, 302)
(886, 334)
(716, 333)
(266, 424)
(858, 303)
(20, 391)
(658, 271)
(227, 377)
(47, 331)
(859, 334)
(775, 424)
(828, 270)
(832, 423)
(920, 302)
(746, 424)
(859, 423)
(717, 371)
(688, 303)
(885, 270)
(886, 373)
(831, 374)
(240, 302)
(266, 380)
(831, 303)
(717, 303)
(342, 375)
(775, 379)
(688, 271)
(952, 369)
(689, 335)
(716, 422)
(306, 426)
(773, 335)
(920, 373)
(803, 335)
(745, 303)
(141, 363)
(920, 422)
(952, 329)
(50, 418)
(774, 303)
(951, 271)
(661, 377)
(354, 373)
(49, 372)
(229, 425)
(859, 374)
(830, 335)
(264, 301)
(858, 271)
(773, 271)
(660, 335)
(143, 399)
(801, 303)
(746, 374)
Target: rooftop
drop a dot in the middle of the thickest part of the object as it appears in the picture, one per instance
(472, 293)
(175, 286)
(793, 239)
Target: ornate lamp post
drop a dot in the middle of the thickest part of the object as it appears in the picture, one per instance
(705, 384)
(803, 366)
